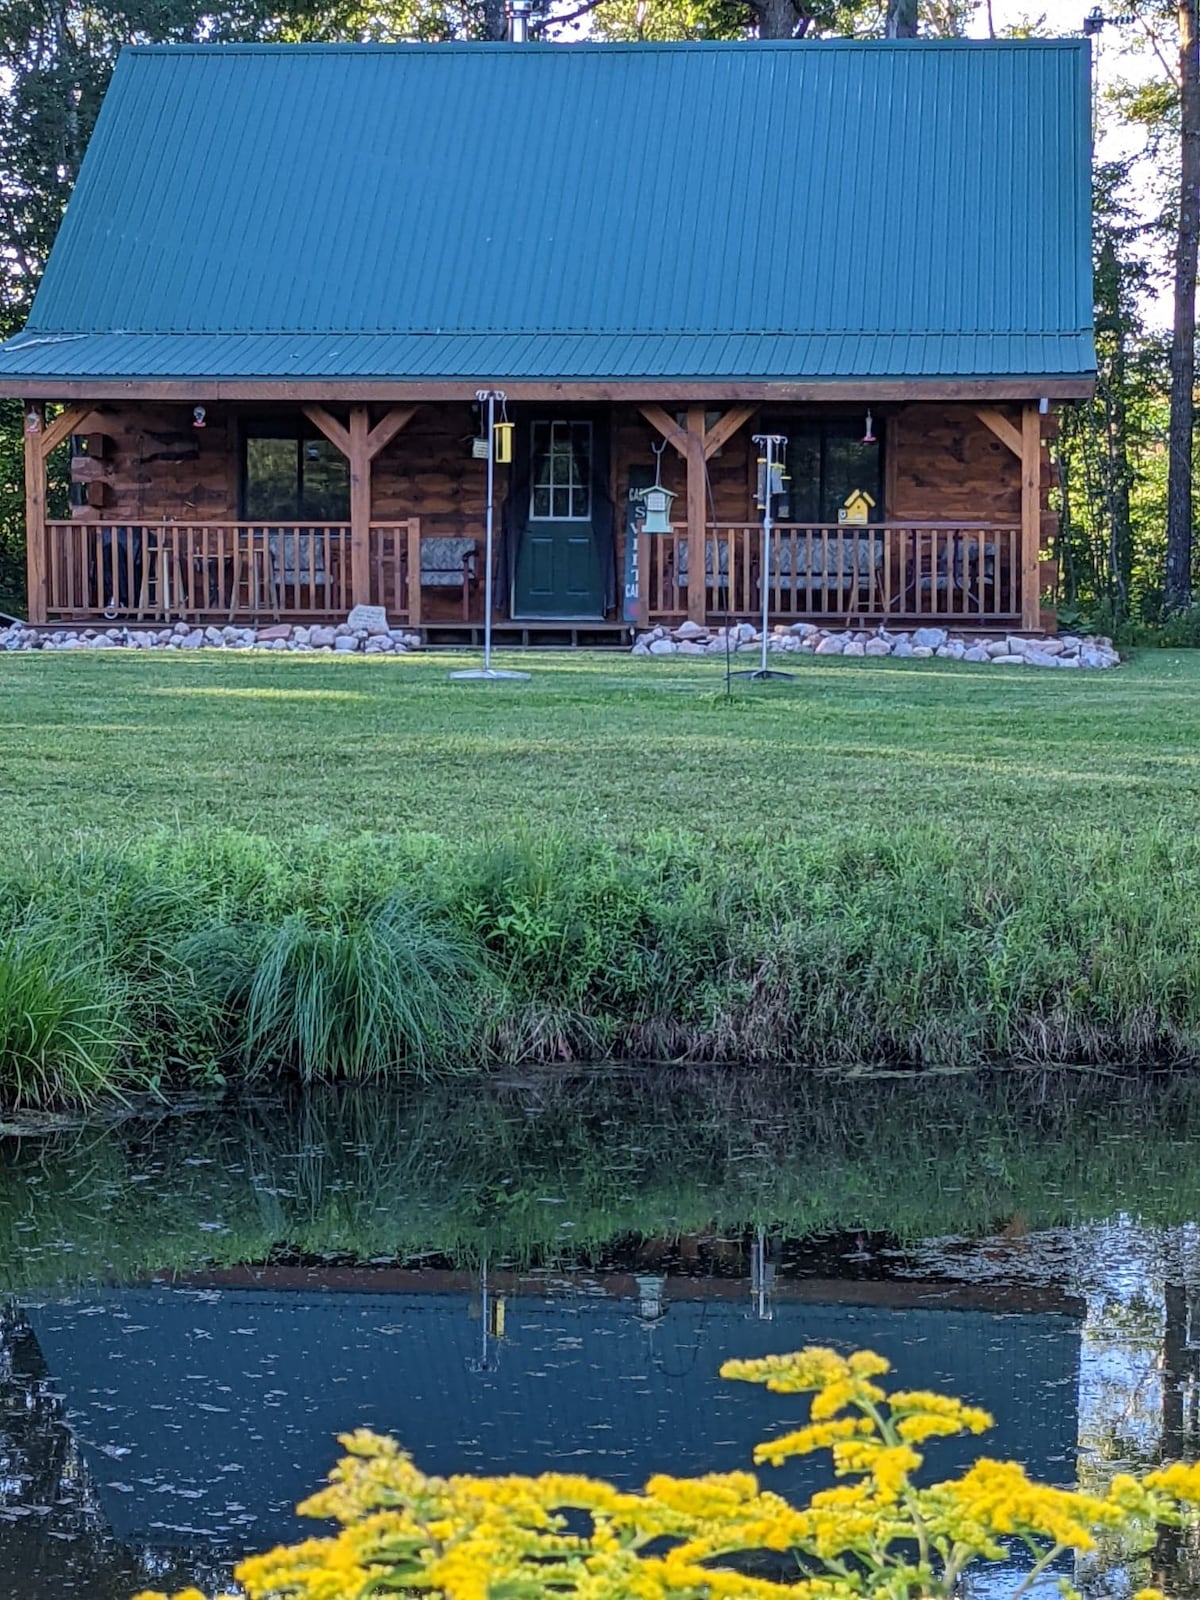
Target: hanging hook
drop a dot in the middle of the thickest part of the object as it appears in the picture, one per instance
(658, 455)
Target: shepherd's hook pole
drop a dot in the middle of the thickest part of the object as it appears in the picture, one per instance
(491, 396)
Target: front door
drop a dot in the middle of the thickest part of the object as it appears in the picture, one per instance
(558, 570)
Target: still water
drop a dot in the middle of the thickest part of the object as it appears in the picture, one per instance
(549, 1274)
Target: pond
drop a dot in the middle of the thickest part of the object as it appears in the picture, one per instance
(548, 1274)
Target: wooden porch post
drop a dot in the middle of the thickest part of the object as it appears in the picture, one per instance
(1031, 516)
(697, 517)
(360, 507)
(35, 511)
(360, 444)
(695, 443)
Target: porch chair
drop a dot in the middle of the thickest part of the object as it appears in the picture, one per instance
(448, 562)
(956, 572)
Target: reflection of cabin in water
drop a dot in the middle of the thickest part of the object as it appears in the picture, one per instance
(207, 1410)
(272, 405)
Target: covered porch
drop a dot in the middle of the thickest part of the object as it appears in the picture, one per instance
(230, 512)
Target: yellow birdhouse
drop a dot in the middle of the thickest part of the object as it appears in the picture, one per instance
(857, 508)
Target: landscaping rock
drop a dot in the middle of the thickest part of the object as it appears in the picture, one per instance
(321, 637)
(929, 638)
(856, 647)
(690, 630)
(921, 651)
(662, 647)
(345, 645)
(976, 653)
(368, 620)
(1009, 660)
(834, 645)
(903, 647)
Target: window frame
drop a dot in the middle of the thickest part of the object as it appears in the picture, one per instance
(552, 485)
(840, 424)
(300, 432)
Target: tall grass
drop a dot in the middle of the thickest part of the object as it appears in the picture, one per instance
(63, 1032)
(326, 958)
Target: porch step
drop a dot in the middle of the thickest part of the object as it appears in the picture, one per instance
(530, 635)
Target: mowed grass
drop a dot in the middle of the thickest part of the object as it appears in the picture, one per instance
(111, 746)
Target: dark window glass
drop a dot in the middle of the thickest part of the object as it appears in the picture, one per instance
(827, 462)
(289, 475)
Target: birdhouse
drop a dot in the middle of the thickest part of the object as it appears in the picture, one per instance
(656, 509)
(857, 508)
(503, 435)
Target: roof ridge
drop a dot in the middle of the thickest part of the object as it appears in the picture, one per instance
(597, 46)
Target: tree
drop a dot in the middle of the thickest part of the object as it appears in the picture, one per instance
(1183, 344)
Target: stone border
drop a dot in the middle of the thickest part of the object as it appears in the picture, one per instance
(316, 640)
(804, 638)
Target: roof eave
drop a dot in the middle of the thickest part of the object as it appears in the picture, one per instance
(1009, 386)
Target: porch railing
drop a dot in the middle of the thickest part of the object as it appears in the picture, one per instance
(902, 572)
(220, 572)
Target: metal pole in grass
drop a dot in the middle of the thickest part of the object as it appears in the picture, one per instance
(487, 672)
(772, 445)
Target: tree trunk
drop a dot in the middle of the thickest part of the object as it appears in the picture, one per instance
(495, 20)
(901, 19)
(776, 19)
(1183, 344)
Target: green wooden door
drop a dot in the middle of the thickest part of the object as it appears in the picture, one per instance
(558, 572)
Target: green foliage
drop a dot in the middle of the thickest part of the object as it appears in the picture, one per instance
(858, 950)
(392, 992)
(62, 1027)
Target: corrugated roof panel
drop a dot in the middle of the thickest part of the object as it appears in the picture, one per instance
(522, 357)
(774, 192)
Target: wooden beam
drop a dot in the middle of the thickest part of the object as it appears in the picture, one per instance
(1001, 427)
(330, 427)
(1031, 516)
(360, 505)
(35, 512)
(697, 515)
(721, 432)
(69, 422)
(667, 426)
(382, 434)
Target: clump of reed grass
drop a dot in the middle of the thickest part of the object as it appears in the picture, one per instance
(63, 1029)
(391, 993)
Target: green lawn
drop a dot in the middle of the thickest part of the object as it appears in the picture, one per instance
(113, 744)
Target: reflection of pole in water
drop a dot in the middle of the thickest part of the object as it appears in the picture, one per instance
(492, 1308)
(762, 1277)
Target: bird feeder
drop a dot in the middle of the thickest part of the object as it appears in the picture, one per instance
(502, 434)
(777, 486)
(657, 501)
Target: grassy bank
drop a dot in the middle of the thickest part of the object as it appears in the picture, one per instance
(225, 868)
(214, 958)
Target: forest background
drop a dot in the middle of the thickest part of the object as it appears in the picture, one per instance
(1125, 562)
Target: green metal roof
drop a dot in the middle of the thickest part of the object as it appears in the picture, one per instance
(752, 211)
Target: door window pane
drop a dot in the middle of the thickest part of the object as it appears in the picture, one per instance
(561, 471)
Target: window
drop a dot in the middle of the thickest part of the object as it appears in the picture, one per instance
(561, 472)
(291, 473)
(826, 461)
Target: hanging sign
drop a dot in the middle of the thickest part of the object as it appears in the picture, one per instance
(640, 479)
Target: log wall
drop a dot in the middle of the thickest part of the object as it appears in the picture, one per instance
(941, 464)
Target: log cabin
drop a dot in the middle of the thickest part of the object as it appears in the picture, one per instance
(288, 274)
